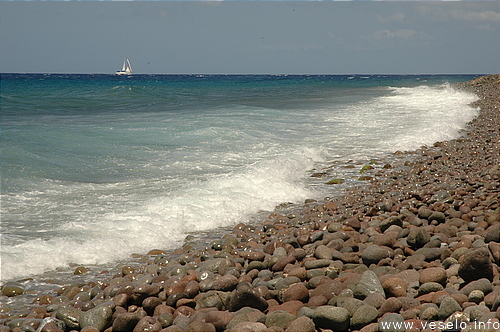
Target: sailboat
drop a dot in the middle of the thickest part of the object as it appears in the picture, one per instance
(126, 68)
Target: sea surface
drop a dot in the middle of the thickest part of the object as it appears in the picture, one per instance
(95, 168)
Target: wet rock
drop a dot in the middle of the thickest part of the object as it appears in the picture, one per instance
(199, 326)
(70, 316)
(246, 297)
(213, 299)
(12, 288)
(98, 317)
(330, 317)
(219, 319)
(148, 324)
(126, 321)
(476, 265)
(226, 283)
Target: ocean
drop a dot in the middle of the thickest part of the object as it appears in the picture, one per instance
(95, 168)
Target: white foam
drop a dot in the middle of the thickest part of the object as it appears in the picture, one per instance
(163, 222)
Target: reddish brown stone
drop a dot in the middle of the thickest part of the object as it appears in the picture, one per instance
(433, 274)
(394, 287)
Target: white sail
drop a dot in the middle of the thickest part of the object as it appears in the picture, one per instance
(126, 68)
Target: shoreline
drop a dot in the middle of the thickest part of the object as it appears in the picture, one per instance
(388, 248)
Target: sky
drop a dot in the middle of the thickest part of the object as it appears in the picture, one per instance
(251, 37)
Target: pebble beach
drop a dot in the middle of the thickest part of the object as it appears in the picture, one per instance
(416, 247)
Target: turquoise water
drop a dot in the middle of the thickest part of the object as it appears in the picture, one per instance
(97, 167)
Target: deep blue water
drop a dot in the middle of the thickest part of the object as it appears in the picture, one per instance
(97, 167)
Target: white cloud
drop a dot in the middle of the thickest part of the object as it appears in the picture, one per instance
(403, 34)
(396, 17)
(483, 16)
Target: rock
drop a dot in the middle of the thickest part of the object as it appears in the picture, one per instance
(302, 324)
(50, 324)
(394, 287)
(245, 314)
(197, 326)
(418, 237)
(280, 265)
(375, 300)
(430, 313)
(323, 252)
(349, 303)
(12, 288)
(495, 251)
(213, 299)
(476, 296)
(430, 254)
(98, 317)
(330, 317)
(219, 319)
(150, 303)
(429, 287)
(448, 306)
(248, 327)
(297, 292)
(438, 216)
(212, 265)
(279, 318)
(433, 274)
(126, 321)
(80, 270)
(369, 283)
(484, 285)
(70, 316)
(225, 283)
(476, 265)
(392, 304)
(424, 213)
(373, 254)
(393, 220)
(392, 323)
(165, 319)
(493, 234)
(365, 315)
(246, 297)
(317, 263)
(192, 288)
